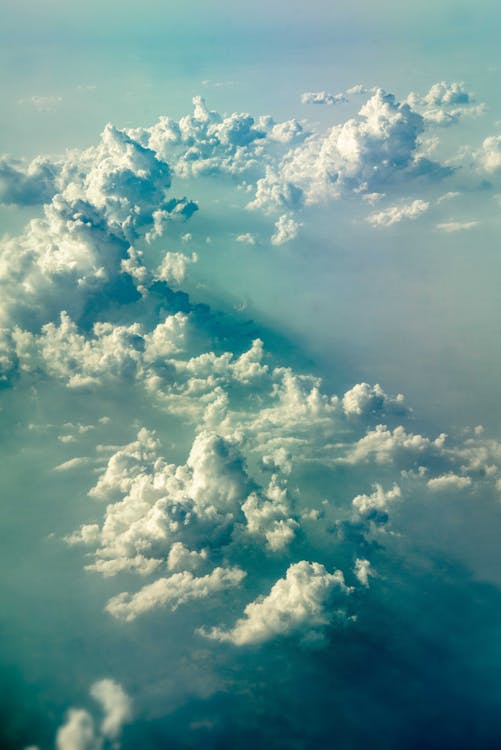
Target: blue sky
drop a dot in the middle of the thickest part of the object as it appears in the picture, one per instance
(249, 394)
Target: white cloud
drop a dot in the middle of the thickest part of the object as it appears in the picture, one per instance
(73, 463)
(395, 214)
(116, 705)
(286, 229)
(445, 103)
(384, 445)
(365, 399)
(363, 571)
(490, 153)
(322, 97)
(301, 602)
(374, 507)
(28, 185)
(457, 226)
(246, 239)
(178, 589)
(268, 516)
(361, 154)
(448, 482)
(173, 267)
(78, 732)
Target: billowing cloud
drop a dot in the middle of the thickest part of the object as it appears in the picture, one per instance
(445, 103)
(365, 399)
(362, 154)
(227, 471)
(28, 185)
(303, 601)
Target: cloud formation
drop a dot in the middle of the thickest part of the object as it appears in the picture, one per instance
(296, 603)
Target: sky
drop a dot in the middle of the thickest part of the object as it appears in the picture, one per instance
(250, 421)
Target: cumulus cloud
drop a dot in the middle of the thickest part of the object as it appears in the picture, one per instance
(173, 267)
(28, 185)
(97, 202)
(304, 601)
(374, 507)
(255, 469)
(173, 591)
(396, 214)
(268, 516)
(79, 730)
(363, 571)
(116, 706)
(489, 155)
(246, 239)
(286, 229)
(384, 445)
(449, 482)
(362, 154)
(445, 103)
(365, 399)
(322, 97)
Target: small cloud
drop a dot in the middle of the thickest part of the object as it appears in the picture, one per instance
(360, 89)
(246, 239)
(286, 229)
(395, 214)
(43, 103)
(448, 197)
(322, 97)
(457, 226)
(73, 463)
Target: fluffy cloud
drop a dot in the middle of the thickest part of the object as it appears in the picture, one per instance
(173, 591)
(307, 599)
(449, 482)
(116, 706)
(363, 571)
(168, 515)
(322, 97)
(286, 229)
(268, 516)
(361, 154)
(374, 507)
(490, 153)
(79, 731)
(365, 399)
(254, 466)
(246, 239)
(445, 103)
(384, 445)
(28, 185)
(396, 214)
(106, 197)
(205, 142)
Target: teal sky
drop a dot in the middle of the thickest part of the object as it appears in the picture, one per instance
(250, 421)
